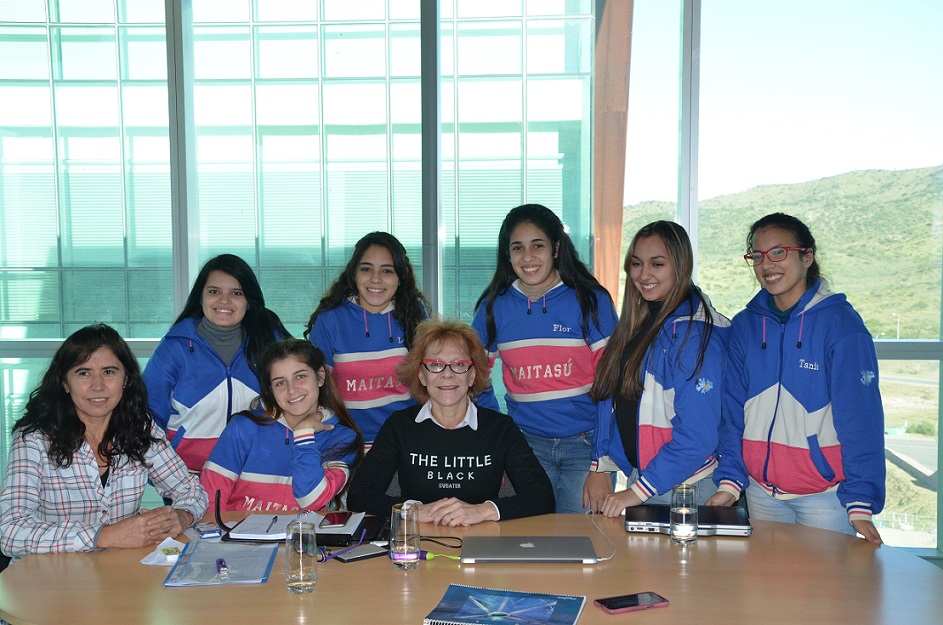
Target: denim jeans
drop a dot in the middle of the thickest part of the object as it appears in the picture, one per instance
(566, 461)
(821, 510)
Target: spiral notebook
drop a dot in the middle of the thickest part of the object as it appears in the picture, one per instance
(470, 605)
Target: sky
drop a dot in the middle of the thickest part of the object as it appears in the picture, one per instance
(789, 92)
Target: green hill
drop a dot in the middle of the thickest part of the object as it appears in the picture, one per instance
(879, 236)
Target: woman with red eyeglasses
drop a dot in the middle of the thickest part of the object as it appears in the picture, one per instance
(450, 454)
(803, 423)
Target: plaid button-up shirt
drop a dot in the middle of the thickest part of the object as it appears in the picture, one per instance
(47, 508)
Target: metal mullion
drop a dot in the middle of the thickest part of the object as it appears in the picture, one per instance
(690, 105)
(256, 163)
(322, 142)
(433, 231)
(388, 45)
(57, 168)
(122, 163)
(183, 178)
(46, 348)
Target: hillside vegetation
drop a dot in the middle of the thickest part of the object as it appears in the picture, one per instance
(879, 236)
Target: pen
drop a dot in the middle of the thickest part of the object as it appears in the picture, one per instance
(274, 520)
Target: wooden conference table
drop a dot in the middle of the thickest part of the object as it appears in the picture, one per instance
(782, 574)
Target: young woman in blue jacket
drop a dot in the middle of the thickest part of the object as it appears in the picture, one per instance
(660, 379)
(549, 320)
(803, 429)
(297, 453)
(365, 324)
(206, 367)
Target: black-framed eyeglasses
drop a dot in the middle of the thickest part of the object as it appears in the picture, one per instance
(774, 254)
(457, 366)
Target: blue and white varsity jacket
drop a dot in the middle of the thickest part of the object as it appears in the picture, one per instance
(270, 467)
(679, 413)
(547, 363)
(363, 350)
(192, 392)
(802, 407)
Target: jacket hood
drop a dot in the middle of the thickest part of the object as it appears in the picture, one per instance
(703, 313)
(351, 304)
(816, 297)
(186, 329)
(363, 315)
(557, 291)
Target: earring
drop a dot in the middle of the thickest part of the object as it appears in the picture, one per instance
(66, 391)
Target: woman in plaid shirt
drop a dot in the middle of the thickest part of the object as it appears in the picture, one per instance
(82, 454)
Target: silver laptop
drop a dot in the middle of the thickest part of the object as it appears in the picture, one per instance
(542, 549)
(711, 520)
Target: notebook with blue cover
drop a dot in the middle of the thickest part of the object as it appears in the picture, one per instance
(469, 605)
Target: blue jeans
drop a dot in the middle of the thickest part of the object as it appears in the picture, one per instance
(822, 510)
(566, 461)
(705, 488)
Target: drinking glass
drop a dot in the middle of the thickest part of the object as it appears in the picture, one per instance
(404, 536)
(684, 514)
(301, 556)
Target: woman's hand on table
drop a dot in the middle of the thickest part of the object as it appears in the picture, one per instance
(614, 504)
(144, 529)
(867, 529)
(452, 512)
(721, 498)
(596, 488)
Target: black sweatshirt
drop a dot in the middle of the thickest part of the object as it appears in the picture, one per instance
(434, 463)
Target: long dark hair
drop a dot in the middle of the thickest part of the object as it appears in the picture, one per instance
(609, 377)
(328, 396)
(261, 326)
(51, 411)
(572, 271)
(801, 233)
(408, 301)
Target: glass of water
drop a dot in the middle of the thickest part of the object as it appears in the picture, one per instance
(404, 536)
(684, 514)
(301, 556)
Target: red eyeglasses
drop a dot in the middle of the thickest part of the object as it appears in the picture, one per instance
(774, 254)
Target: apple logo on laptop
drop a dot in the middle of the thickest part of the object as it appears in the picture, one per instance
(528, 545)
